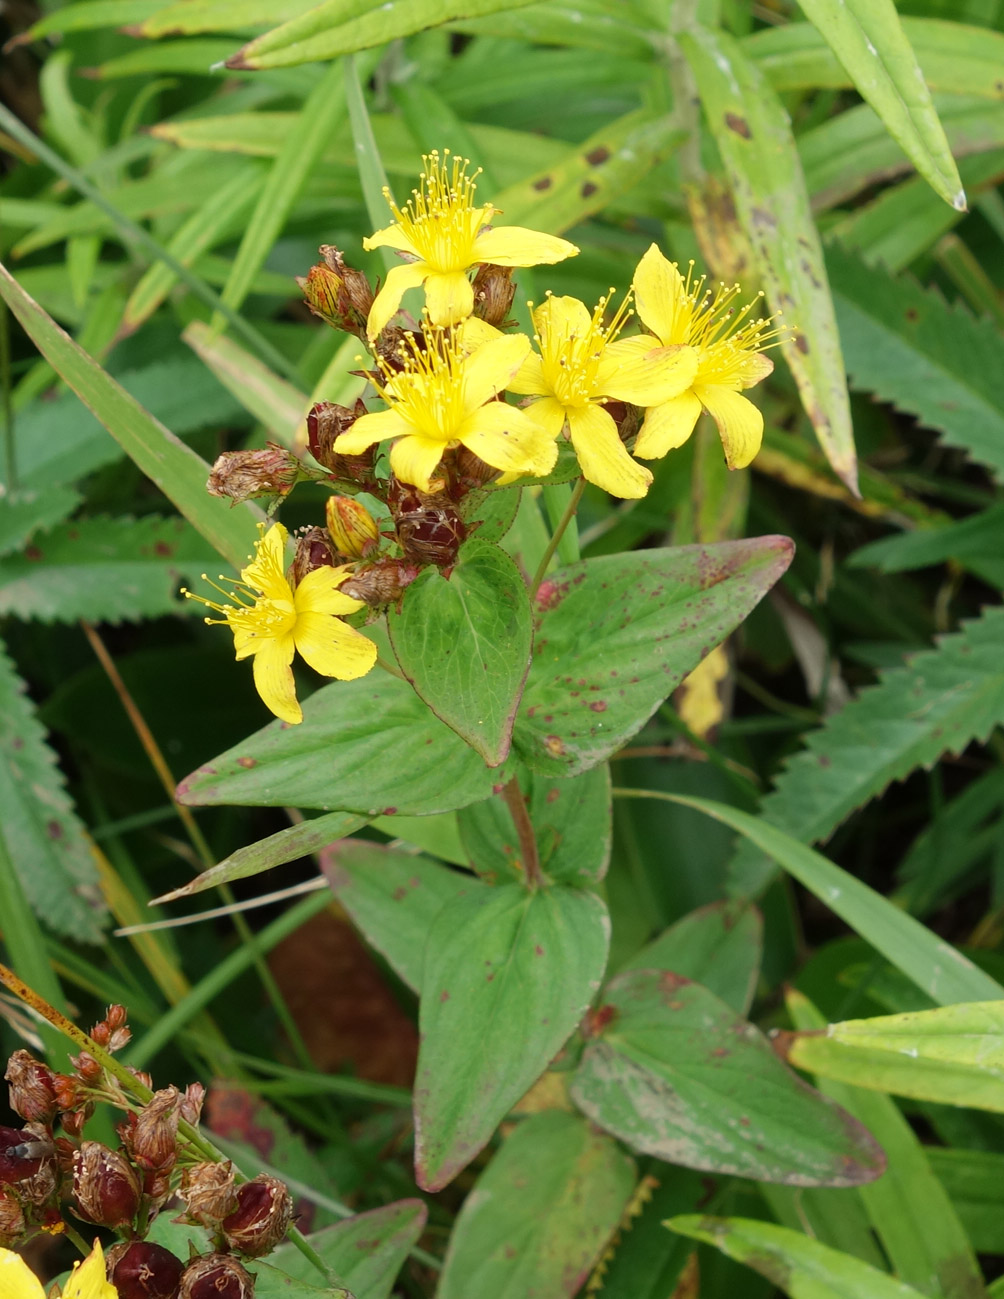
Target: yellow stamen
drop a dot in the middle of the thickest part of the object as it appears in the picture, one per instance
(570, 360)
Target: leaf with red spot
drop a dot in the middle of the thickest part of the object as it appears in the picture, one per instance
(676, 1073)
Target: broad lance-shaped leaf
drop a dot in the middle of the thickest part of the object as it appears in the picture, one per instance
(369, 746)
(44, 838)
(942, 700)
(464, 644)
(674, 1072)
(173, 467)
(754, 137)
(618, 633)
(571, 821)
(953, 1055)
(797, 1264)
(868, 39)
(508, 975)
(540, 1214)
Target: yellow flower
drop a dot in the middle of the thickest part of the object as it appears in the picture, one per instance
(444, 396)
(443, 235)
(271, 621)
(581, 364)
(87, 1281)
(729, 358)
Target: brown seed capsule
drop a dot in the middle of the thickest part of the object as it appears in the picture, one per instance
(152, 1140)
(337, 293)
(215, 1276)
(12, 1220)
(264, 1211)
(326, 420)
(314, 549)
(428, 528)
(353, 529)
(190, 1107)
(494, 291)
(32, 1088)
(244, 475)
(471, 471)
(209, 1192)
(139, 1269)
(381, 582)
(105, 1185)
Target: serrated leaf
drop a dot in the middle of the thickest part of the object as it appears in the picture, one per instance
(754, 136)
(540, 1214)
(973, 542)
(104, 570)
(943, 699)
(45, 840)
(673, 1071)
(464, 644)
(618, 633)
(800, 1266)
(369, 746)
(909, 347)
(28, 511)
(868, 39)
(508, 974)
(394, 897)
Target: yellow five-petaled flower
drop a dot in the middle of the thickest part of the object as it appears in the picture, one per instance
(271, 621)
(443, 234)
(87, 1280)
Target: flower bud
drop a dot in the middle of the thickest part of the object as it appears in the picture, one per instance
(139, 1269)
(325, 421)
(209, 1192)
(32, 1088)
(264, 1211)
(353, 529)
(381, 582)
(428, 528)
(337, 293)
(190, 1106)
(113, 1031)
(494, 291)
(243, 475)
(215, 1276)
(105, 1185)
(152, 1141)
(314, 549)
(12, 1221)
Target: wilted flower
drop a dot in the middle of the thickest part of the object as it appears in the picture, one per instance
(32, 1087)
(106, 1187)
(152, 1138)
(270, 470)
(264, 1212)
(209, 1192)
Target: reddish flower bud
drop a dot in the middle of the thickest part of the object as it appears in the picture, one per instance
(209, 1192)
(353, 529)
(381, 582)
(32, 1088)
(105, 1185)
(243, 475)
(215, 1276)
(337, 293)
(141, 1270)
(190, 1106)
(87, 1069)
(113, 1031)
(494, 291)
(12, 1221)
(264, 1211)
(428, 528)
(73, 1124)
(152, 1140)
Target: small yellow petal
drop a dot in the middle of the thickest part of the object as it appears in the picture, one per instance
(88, 1279)
(393, 236)
(740, 424)
(548, 414)
(333, 648)
(449, 297)
(517, 246)
(661, 297)
(17, 1280)
(641, 371)
(371, 428)
(562, 317)
(385, 304)
(318, 592)
(529, 379)
(506, 439)
(414, 459)
(602, 455)
(273, 677)
(490, 368)
(667, 426)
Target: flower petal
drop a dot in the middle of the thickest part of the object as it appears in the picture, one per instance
(639, 370)
(87, 1280)
(529, 378)
(562, 317)
(387, 301)
(667, 426)
(518, 246)
(392, 236)
(490, 368)
(740, 424)
(267, 571)
(602, 455)
(333, 648)
(372, 428)
(474, 333)
(548, 414)
(414, 459)
(506, 439)
(273, 677)
(660, 292)
(318, 593)
(449, 297)
(17, 1280)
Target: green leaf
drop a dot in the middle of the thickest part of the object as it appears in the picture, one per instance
(972, 1180)
(754, 137)
(191, 16)
(464, 644)
(368, 746)
(104, 570)
(365, 1251)
(571, 822)
(275, 402)
(618, 633)
(718, 946)
(674, 1072)
(908, 347)
(973, 542)
(508, 974)
(394, 898)
(953, 1055)
(89, 16)
(25, 512)
(798, 1265)
(589, 24)
(868, 39)
(48, 845)
(347, 26)
(540, 1214)
(938, 703)
(174, 468)
(490, 512)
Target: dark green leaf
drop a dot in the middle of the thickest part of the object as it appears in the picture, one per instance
(25, 512)
(974, 542)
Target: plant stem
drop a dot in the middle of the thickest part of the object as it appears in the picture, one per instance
(559, 532)
(516, 803)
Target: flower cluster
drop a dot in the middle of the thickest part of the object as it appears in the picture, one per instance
(123, 1189)
(591, 378)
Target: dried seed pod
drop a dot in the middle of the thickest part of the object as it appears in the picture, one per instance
(381, 582)
(326, 420)
(152, 1140)
(28, 1163)
(428, 528)
(314, 549)
(106, 1187)
(12, 1220)
(32, 1088)
(209, 1192)
(139, 1269)
(216, 1276)
(270, 470)
(494, 291)
(264, 1212)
